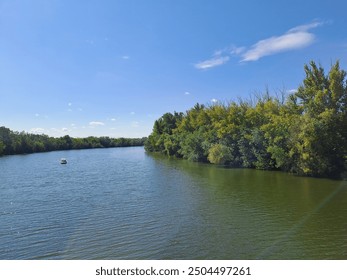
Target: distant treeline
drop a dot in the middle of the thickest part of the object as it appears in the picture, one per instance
(304, 132)
(24, 143)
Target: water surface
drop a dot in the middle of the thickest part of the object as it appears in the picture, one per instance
(122, 203)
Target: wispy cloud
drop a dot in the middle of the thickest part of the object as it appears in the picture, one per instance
(37, 130)
(237, 50)
(213, 62)
(295, 38)
(187, 93)
(306, 27)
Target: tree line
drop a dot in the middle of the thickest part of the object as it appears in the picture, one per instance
(24, 143)
(303, 132)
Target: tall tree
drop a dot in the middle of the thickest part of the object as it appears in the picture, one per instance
(322, 137)
(306, 134)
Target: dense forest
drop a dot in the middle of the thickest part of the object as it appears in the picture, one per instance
(303, 132)
(23, 143)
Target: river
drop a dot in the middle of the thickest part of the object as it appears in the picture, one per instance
(123, 203)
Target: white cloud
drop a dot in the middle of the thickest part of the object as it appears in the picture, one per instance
(295, 38)
(290, 91)
(214, 100)
(37, 130)
(95, 123)
(213, 62)
(236, 50)
(187, 93)
(305, 27)
(125, 57)
(113, 119)
(220, 57)
(273, 45)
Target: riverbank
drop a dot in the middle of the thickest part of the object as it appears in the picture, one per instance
(303, 133)
(14, 143)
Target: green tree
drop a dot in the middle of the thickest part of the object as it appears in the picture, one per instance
(305, 134)
(2, 148)
(220, 154)
(322, 137)
(192, 147)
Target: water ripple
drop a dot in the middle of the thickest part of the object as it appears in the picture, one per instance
(124, 204)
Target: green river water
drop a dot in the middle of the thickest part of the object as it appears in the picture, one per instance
(122, 203)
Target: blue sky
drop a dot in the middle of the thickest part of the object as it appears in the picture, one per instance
(111, 67)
